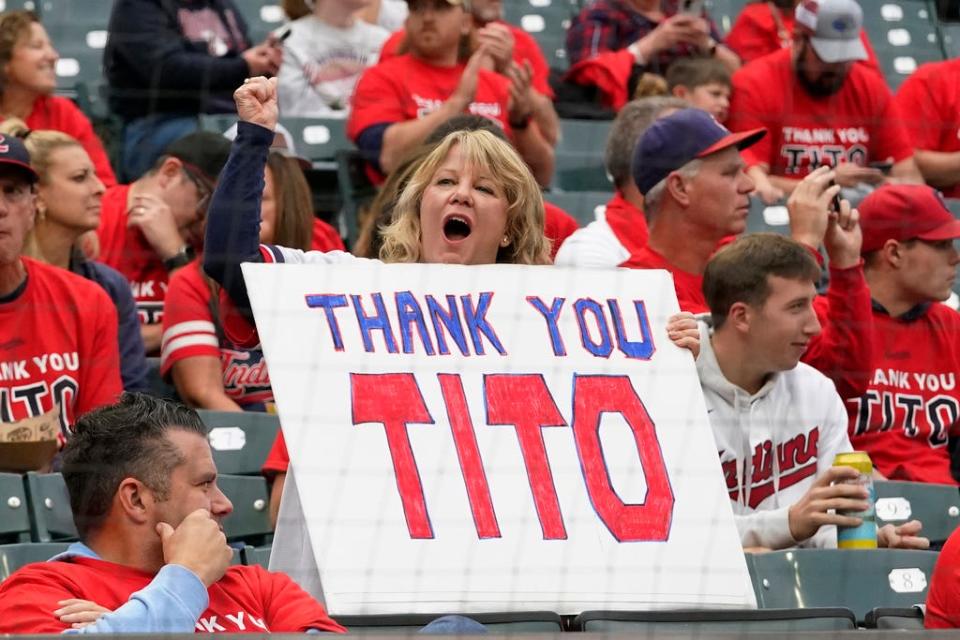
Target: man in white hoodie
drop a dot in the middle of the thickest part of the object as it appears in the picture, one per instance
(778, 423)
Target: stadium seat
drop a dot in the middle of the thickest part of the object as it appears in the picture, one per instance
(250, 520)
(954, 205)
(697, 622)
(16, 5)
(771, 218)
(51, 517)
(937, 506)
(579, 156)
(256, 555)
(355, 191)
(496, 623)
(14, 512)
(724, 13)
(262, 17)
(907, 619)
(904, 35)
(584, 206)
(554, 48)
(14, 556)
(240, 440)
(859, 580)
(541, 16)
(951, 39)
(159, 388)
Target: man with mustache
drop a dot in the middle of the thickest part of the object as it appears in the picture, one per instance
(820, 107)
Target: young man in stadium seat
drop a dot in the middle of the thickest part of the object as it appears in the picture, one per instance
(820, 108)
(505, 42)
(154, 226)
(398, 102)
(912, 405)
(778, 423)
(929, 102)
(153, 556)
(613, 240)
(696, 193)
(59, 355)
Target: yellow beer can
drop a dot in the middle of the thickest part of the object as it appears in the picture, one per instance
(863, 536)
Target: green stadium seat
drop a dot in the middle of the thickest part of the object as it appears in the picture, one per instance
(937, 506)
(496, 623)
(893, 619)
(16, 5)
(951, 38)
(78, 29)
(240, 440)
(954, 205)
(262, 17)
(14, 556)
(582, 205)
(579, 156)
(542, 16)
(554, 48)
(724, 13)
(51, 517)
(770, 218)
(159, 388)
(858, 580)
(904, 35)
(250, 520)
(257, 555)
(14, 511)
(707, 622)
(317, 139)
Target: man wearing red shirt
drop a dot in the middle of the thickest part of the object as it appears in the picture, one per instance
(614, 239)
(399, 102)
(929, 101)
(912, 404)
(819, 107)
(696, 196)
(152, 227)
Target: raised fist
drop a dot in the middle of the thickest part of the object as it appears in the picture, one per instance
(256, 101)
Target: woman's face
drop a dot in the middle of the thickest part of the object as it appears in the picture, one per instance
(463, 214)
(268, 209)
(71, 193)
(33, 64)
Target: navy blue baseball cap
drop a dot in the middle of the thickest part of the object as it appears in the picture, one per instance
(13, 153)
(675, 140)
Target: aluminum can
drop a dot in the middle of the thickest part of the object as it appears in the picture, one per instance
(865, 535)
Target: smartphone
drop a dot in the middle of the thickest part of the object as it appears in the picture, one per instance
(835, 203)
(884, 166)
(692, 7)
(278, 41)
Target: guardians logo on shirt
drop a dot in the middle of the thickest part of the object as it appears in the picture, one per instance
(796, 458)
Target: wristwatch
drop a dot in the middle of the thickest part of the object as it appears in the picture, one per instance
(181, 258)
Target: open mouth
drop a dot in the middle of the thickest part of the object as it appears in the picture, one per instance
(456, 228)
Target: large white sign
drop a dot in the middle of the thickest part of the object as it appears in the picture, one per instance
(495, 438)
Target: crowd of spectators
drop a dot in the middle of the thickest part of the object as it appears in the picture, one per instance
(452, 108)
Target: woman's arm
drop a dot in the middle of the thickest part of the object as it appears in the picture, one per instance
(199, 381)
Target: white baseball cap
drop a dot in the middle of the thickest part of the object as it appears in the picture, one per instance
(834, 28)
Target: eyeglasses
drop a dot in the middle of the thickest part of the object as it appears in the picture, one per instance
(204, 190)
(15, 193)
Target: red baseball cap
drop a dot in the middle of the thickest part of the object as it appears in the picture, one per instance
(904, 212)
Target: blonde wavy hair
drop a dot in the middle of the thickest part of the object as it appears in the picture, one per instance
(525, 216)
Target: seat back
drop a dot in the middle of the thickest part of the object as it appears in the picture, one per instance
(717, 621)
(904, 35)
(250, 520)
(14, 556)
(261, 16)
(937, 506)
(886, 618)
(858, 580)
(14, 511)
(496, 623)
(240, 440)
(51, 517)
(256, 555)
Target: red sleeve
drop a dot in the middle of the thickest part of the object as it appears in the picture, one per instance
(746, 37)
(29, 597)
(188, 328)
(278, 460)
(559, 225)
(378, 99)
(325, 237)
(890, 139)
(943, 599)
(747, 112)
(843, 351)
(290, 609)
(526, 48)
(100, 382)
(390, 46)
(609, 72)
(917, 103)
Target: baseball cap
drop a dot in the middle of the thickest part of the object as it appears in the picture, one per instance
(675, 140)
(13, 153)
(453, 3)
(282, 143)
(834, 28)
(904, 212)
(203, 150)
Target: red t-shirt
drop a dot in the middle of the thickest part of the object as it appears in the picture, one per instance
(943, 598)
(558, 226)
(404, 88)
(246, 599)
(860, 123)
(189, 330)
(912, 404)
(756, 34)
(127, 250)
(929, 102)
(628, 223)
(325, 237)
(689, 286)
(525, 48)
(58, 347)
(60, 114)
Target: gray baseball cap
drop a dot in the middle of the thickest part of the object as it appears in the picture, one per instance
(834, 28)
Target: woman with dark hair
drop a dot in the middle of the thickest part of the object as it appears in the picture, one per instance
(28, 79)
